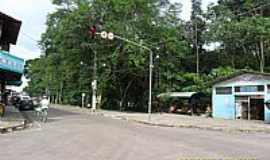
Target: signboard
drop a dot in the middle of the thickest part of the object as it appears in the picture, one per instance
(11, 63)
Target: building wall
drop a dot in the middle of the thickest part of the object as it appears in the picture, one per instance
(266, 110)
(224, 105)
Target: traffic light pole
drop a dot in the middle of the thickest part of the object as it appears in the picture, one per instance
(111, 36)
(150, 84)
(94, 83)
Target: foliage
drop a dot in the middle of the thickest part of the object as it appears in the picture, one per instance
(239, 29)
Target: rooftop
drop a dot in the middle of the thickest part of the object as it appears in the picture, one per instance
(11, 28)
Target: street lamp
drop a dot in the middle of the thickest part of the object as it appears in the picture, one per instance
(111, 36)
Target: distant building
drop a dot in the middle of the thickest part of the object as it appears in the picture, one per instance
(242, 95)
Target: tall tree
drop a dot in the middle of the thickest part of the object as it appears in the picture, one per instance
(242, 30)
(121, 67)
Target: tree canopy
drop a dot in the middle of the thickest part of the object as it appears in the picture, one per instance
(239, 29)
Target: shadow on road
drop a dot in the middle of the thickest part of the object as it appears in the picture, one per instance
(53, 115)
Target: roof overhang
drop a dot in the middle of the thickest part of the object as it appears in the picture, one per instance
(239, 73)
(11, 63)
(10, 29)
(11, 69)
(177, 94)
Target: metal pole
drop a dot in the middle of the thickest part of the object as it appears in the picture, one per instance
(197, 51)
(83, 99)
(150, 85)
(150, 69)
(94, 82)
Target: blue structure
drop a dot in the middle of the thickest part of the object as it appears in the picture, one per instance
(11, 63)
(242, 95)
(11, 67)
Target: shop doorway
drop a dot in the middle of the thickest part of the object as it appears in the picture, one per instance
(257, 108)
(249, 107)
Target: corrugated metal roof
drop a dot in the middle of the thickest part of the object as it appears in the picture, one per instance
(177, 94)
(241, 72)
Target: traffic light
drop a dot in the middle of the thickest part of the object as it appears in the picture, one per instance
(93, 31)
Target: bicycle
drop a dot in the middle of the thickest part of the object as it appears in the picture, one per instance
(42, 114)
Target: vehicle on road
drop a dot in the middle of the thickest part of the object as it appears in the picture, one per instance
(25, 103)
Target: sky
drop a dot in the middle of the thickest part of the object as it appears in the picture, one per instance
(33, 14)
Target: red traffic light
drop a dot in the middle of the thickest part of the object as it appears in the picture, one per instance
(93, 31)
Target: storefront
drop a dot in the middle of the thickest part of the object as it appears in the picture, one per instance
(11, 67)
(242, 96)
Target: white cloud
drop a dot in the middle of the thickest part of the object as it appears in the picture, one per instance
(186, 9)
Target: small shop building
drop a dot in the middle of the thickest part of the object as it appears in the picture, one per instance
(242, 95)
(11, 67)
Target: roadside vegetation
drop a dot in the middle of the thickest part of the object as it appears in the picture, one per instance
(229, 36)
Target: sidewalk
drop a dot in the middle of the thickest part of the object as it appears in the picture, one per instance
(12, 120)
(185, 121)
(181, 121)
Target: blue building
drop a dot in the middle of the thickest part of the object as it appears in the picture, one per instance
(242, 95)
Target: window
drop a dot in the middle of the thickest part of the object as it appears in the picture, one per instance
(260, 88)
(255, 88)
(236, 89)
(224, 90)
(268, 88)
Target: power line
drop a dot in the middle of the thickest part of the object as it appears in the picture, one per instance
(30, 37)
(254, 9)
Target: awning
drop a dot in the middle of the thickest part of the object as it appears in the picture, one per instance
(11, 28)
(177, 94)
(11, 68)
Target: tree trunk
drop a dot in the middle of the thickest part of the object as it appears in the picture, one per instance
(124, 95)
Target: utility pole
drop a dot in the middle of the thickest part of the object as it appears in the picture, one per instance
(112, 36)
(150, 84)
(197, 49)
(94, 83)
(262, 48)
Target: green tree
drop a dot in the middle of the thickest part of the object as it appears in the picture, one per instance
(122, 67)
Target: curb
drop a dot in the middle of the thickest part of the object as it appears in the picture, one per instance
(187, 126)
(25, 123)
(14, 128)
